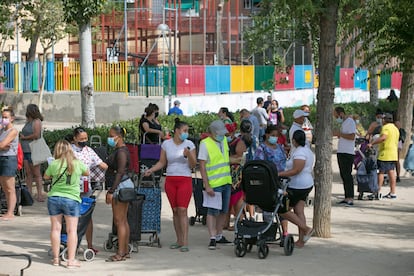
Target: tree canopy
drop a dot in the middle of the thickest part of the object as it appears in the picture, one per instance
(82, 11)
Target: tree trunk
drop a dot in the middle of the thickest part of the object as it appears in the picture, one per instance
(405, 108)
(32, 49)
(323, 167)
(86, 76)
(42, 87)
(220, 47)
(373, 86)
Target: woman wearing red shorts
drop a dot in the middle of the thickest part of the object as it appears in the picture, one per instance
(179, 155)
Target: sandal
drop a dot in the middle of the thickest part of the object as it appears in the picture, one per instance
(307, 237)
(184, 249)
(175, 246)
(73, 264)
(56, 262)
(127, 256)
(116, 258)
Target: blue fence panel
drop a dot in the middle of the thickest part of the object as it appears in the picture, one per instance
(50, 76)
(361, 79)
(217, 79)
(151, 76)
(303, 76)
(8, 71)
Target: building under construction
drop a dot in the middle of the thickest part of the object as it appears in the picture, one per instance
(191, 36)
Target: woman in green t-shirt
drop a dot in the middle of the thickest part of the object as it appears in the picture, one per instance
(64, 199)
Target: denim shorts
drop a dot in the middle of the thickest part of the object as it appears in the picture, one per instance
(385, 166)
(124, 184)
(8, 165)
(225, 197)
(28, 156)
(58, 205)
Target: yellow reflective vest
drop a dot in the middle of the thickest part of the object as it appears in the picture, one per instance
(218, 167)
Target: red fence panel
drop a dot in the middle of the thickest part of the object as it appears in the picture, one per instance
(190, 80)
(396, 79)
(285, 80)
(346, 78)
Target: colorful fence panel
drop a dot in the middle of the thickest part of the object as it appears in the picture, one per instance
(346, 80)
(285, 80)
(191, 80)
(396, 80)
(337, 75)
(263, 77)
(217, 79)
(173, 80)
(242, 78)
(361, 79)
(303, 76)
(385, 81)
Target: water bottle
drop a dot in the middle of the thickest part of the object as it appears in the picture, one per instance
(84, 184)
(244, 158)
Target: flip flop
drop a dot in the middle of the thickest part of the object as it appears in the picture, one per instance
(184, 249)
(6, 218)
(115, 258)
(307, 237)
(175, 246)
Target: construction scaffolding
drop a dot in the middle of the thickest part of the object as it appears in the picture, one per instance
(193, 25)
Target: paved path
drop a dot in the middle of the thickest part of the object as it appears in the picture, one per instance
(371, 238)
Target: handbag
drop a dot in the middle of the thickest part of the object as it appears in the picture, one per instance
(40, 151)
(26, 197)
(127, 195)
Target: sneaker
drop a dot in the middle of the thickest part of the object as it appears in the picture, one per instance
(398, 179)
(343, 202)
(376, 196)
(349, 203)
(390, 196)
(224, 241)
(212, 244)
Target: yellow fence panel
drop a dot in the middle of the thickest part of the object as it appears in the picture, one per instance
(242, 78)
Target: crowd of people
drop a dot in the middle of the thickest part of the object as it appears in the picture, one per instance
(261, 135)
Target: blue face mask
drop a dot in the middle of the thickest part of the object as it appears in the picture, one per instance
(284, 131)
(219, 138)
(339, 120)
(111, 142)
(184, 136)
(272, 140)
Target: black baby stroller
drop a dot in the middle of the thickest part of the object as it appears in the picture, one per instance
(86, 210)
(367, 176)
(261, 187)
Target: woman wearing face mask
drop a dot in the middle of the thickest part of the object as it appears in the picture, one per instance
(8, 160)
(271, 150)
(276, 116)
(150, 126)
(117, 177)
(179, 155)
(31, 131)
(96, 167)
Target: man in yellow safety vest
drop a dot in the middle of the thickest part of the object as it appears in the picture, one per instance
(215, 171)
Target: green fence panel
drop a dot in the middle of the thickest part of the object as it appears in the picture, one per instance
(264, 77)
(173, 80)
(337, 75)
(385, 80)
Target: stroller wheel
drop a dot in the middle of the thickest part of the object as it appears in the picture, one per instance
(130, 248)
(64, 254)
(263, 251)
(192, 221)
(89, 255)
(50, 253)
(360, 196)
(240, 248)
(158, 241)
(288, 245)
(18, 211)
(107, 245)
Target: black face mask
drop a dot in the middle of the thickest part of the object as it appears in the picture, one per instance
(82, 144)
(156, 114)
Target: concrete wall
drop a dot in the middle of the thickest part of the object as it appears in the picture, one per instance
(66, 106)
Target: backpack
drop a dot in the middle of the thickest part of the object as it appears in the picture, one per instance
(20, 157)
